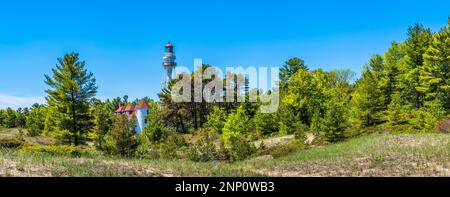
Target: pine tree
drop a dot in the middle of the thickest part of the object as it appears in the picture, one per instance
(102, 120)
(2, 118)
(10, 118)
(71, 90)
(123, 135)
(36, 120)
(389, 81)
(397, 112)
(368, 99)
(415, 47)
(290, 68)
(335, 122)
(435, 74)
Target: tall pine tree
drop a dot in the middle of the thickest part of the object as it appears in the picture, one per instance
(72, 87)
(415, 47)
(435, 75)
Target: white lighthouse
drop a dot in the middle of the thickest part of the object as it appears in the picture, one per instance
(169, 64)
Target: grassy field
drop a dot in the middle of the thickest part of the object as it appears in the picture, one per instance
(373, 155)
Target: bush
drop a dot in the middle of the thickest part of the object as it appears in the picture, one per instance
(240, 149)
(10, 142)
(203, 150)
(283, 150)
(266, 123)
(72, 151)
(167, 149)
(427, 117)
(444, 125)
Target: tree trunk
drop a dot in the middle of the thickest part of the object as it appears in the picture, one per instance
(74, 121)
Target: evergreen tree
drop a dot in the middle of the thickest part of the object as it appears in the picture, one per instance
(435, 74)
(397, 112)
(10, 118)
(36, 120)
(123, 135)
(2, 118)
(389, 81)
(368, 99)
(290, 68)
(415, 47)
(102, 119)
(335, 122)
(71, 90)
(21, 117)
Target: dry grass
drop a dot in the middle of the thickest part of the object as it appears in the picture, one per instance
(374, 155)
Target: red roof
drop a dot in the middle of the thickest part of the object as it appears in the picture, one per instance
(142, 105)
(121, 109)
(129, 108)
(169, 45)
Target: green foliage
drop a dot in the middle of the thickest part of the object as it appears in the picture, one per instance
(11, 142)
(240, 149)
(71, 90)
(291, 67)
(335, 123)
(123, 135)
(282, 150)
(237, 124)
(216, 120)
(203, 151)
(368, 100)
(169, 149)
(10, 118)
(427, 117)
(21, 116)
(155, 131)
(71, 151)
(398, 111)
(102, 114)
(35, 121)
(435, 74)
(307, 93)
(415, 47)
(266, 123)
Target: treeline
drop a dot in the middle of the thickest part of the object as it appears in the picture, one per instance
(407, 89)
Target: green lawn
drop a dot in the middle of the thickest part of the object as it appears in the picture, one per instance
(374, 155)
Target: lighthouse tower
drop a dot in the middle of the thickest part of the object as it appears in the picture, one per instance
(169, 64)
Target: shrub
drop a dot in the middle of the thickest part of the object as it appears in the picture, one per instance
(283, 150)
(203, 150)
(266, 123)
(72, 151)
(240, 149)
(444, 125)
(10, 142)
(427, 117)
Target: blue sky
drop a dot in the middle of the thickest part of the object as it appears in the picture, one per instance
(122, 41)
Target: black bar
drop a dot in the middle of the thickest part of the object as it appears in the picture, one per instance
(127, 186)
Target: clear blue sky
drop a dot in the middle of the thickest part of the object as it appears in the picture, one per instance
(122, 41)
